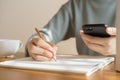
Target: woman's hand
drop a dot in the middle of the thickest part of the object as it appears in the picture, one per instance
(41, 50)
(105, 46)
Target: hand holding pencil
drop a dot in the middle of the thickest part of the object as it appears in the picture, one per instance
(41, 50)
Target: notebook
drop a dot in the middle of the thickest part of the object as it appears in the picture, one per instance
(65, 64)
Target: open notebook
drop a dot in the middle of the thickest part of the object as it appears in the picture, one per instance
(65, 64)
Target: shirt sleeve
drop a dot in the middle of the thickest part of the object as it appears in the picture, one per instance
(60, 26)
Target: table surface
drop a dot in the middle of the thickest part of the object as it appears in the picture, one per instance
(107, 73)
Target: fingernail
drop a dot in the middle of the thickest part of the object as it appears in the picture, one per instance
(51, 49)
(110, 30)
(49, 55)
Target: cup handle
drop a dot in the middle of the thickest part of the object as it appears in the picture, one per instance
(20, 45)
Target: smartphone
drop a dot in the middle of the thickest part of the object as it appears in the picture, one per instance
(98, 30)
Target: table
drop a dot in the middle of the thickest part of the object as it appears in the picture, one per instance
(107, 73)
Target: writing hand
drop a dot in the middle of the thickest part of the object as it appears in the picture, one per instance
(41, 50)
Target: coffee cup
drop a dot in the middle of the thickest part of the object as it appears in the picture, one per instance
(9, 46)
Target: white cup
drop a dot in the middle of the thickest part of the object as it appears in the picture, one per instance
(8, 46)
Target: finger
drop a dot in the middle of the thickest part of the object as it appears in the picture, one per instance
(53, 52)
(33, 49)
(54, 47)
(95, 47)
(39, 57)
(38, 42)
(100, 49)
(41, 43)
(94, 40)
(111, 30)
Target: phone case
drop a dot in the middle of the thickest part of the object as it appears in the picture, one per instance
(95, 30)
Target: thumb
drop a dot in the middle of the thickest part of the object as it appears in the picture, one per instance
(111, 31)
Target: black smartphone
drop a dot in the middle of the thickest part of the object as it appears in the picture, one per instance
(95, 30)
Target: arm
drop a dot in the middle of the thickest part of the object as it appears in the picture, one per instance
(54, 31)
(60, 25)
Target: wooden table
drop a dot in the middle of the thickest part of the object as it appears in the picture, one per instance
(107, 73)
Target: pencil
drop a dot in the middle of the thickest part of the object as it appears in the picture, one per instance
(40, 35)
(9, 56)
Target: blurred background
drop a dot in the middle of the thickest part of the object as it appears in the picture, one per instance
(18, 18)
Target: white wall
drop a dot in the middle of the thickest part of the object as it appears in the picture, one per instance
(18, 18)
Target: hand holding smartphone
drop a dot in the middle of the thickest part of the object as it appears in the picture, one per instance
(98, 30)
